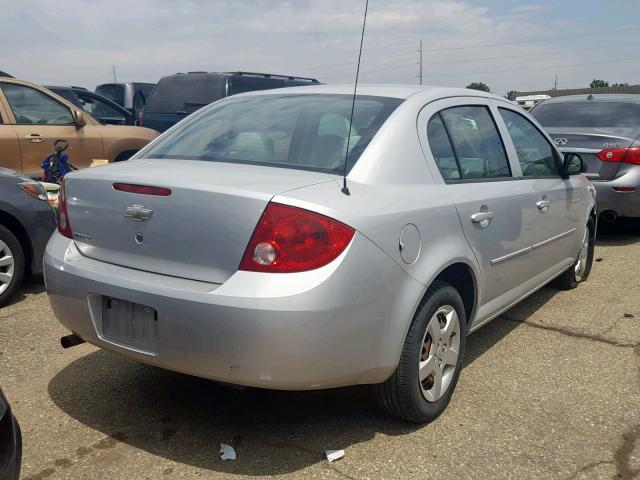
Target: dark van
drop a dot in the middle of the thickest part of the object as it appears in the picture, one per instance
(177, 96)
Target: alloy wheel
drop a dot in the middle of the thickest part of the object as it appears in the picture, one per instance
(439, 355)
(7, 267)
(581, 263)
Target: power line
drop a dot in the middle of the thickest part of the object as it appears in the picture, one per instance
(534, 68)
(420, 62)
(437, 50)
(471, 60)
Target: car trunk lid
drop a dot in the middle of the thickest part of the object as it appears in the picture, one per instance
(589, 142)
(199, 231)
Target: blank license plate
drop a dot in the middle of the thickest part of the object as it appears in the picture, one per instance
(130, 324)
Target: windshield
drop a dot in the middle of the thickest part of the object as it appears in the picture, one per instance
(113, 91)
(294, 131)
(588, 114)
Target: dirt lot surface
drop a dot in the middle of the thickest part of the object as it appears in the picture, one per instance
(551, 389)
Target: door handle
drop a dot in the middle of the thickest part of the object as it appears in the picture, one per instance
(34, 138)
(482, 218)
(543, 205)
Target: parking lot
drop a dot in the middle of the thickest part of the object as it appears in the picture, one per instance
(551, 389)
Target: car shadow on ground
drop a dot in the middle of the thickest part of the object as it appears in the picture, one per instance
(624, 231)
(184, 419)
(31, 286)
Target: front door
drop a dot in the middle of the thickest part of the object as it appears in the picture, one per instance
(495, 214)
(39, 120)
(9, 146)
(558, 217)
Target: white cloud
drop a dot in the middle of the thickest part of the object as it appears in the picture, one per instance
(78, 41)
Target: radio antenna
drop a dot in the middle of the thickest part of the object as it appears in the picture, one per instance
(345, 189)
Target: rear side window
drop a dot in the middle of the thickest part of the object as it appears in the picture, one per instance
(441, 149)
(588, 114)
(185, 93)
(474, 141)
(535, 153)
(307, 132)
(239, 84)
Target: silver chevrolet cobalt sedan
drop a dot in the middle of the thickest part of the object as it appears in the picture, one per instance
(230, 249)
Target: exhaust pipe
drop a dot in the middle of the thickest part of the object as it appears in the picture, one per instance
(609, 216)
(69, 341)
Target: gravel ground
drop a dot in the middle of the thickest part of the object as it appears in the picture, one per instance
(551, 389)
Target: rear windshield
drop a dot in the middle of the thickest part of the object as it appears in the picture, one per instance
(306, 132)
(185, 93)
(588, 114)
(112, 91)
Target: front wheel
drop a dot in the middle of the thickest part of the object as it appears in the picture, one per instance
(12, 265)
(421, 387)
(581, 269)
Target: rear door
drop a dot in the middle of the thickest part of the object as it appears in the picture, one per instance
(39, 120)
(495, 213)
(559, 213)
(9, 146)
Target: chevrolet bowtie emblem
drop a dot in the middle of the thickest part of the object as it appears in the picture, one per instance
(138, 213)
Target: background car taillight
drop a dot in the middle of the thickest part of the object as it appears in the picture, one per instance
(290, 239)
(35, 189)
(64, 227)
(624, 155)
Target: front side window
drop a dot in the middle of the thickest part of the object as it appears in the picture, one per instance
(475, 143)
(306, 131)
(535, 153)
(96, 107)
(32, 107)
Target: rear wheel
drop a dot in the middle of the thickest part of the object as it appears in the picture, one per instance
(421, 387)
(581, 269)
(11, 265)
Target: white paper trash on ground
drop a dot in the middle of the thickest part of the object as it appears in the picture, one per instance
(333, 455)
(227, 452)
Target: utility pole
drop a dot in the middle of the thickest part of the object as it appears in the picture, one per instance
(555, 83)
(115, 80)
(420, 62)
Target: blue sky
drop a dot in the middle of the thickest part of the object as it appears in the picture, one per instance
(518, 45)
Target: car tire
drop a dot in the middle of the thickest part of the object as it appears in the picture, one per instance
(581, 269)
(10, 247)
(441, 315)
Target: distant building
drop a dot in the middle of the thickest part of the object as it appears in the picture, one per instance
(578, 91)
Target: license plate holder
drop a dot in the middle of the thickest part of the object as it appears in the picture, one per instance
(130, 325)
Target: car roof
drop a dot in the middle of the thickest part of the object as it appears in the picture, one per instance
(598, 97)
(380, 90)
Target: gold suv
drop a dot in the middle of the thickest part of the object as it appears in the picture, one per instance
(32, 118)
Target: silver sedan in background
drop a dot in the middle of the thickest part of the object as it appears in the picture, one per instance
(230, 249)
(605, 131)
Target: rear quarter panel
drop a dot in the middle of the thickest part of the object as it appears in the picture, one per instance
(118, 139)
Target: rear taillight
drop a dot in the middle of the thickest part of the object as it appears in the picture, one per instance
(64, 227)
(289, 239)
(624, 155)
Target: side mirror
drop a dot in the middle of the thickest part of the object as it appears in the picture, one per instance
(78, 117)
(573, 164)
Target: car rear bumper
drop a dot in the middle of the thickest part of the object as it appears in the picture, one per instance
(342, 324)
(624, 204)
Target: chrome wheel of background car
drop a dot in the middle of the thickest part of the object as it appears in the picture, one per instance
(7, 267)
(581, 264)
(439, 355)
